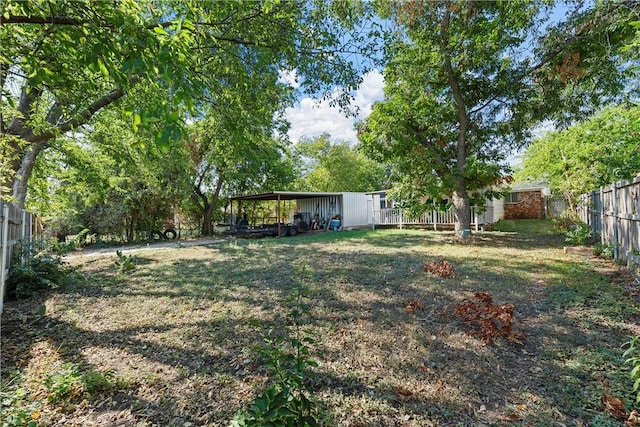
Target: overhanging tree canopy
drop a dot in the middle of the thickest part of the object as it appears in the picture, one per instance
(466, 81)
(454, 96)
(63, 61)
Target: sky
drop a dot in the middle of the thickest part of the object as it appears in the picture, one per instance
(311, 118)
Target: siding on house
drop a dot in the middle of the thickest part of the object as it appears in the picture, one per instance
(530, 205)
(498, 209)
(355, 212)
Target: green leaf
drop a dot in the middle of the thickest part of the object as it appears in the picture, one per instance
(161, 31)
(103, 68)
(136, 122)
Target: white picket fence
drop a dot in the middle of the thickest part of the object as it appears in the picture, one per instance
(16, 225)
(613, 212)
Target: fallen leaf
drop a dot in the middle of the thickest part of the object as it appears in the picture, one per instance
(614, 406)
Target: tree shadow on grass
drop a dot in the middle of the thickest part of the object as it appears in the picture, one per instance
(377, 355)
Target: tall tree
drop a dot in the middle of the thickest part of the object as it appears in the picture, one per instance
(109, 180)
(592, 153)
(466, 81)
(230, 166)
(63, 61)
(454, 95)
(336, 166)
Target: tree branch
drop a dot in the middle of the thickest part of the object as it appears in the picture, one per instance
(83, 117)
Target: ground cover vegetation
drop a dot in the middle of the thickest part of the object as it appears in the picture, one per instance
(391, 327)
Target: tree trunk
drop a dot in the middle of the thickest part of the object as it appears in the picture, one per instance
(460, 197)
(208, 207)
(461, 208)
(23, 174)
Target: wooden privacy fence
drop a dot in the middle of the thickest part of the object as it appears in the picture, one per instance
(614, 213)
(16, 225)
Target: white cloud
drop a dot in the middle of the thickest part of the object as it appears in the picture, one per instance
(290, 77)
(311, 118)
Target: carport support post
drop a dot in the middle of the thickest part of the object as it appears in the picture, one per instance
(278, 216)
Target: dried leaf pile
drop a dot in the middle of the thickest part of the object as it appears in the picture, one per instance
(441, 268)
(414, 305)
(487, 320)
(616, 407)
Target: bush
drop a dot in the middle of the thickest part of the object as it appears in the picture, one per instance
(603, 250)
(36, 268)
(289, 400)
(579, 234)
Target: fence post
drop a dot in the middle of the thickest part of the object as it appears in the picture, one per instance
(475, 217)
(592, 212)
(614, 203)
(4, 222)
(602, 216)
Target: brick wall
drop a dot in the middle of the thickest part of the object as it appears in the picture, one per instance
(529, 206)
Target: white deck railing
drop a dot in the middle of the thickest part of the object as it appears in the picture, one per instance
(400, 217)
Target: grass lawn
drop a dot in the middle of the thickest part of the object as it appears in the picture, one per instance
(173, 342)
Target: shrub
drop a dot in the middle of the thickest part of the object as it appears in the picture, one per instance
(36, 268)
(579, 234)
(289, 400)
(603, 250)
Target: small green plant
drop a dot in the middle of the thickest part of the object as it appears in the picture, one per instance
(289, 400)
(632, 354)
(579, 234)
(603, 250)
(36, 268)
(125, 263)
(65, 384)
(16, 409)
(70, 383)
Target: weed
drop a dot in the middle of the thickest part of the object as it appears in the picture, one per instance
(289, 400)
(579, 234)
(16, 409)
(63, 385)
(632, 353)
(125, 263)
(70, 383)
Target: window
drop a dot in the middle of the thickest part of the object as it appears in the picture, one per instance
(512, 198)
(383, 202)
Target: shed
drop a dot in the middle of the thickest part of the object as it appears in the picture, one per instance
(350, 207)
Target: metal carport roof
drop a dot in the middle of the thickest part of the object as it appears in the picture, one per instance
(285, 195)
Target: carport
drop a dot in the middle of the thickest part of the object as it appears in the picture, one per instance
(324, 205)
